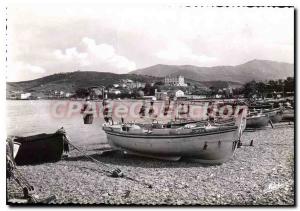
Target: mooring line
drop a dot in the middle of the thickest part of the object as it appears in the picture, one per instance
(116, 172)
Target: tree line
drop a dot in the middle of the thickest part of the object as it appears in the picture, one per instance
(253, 88)
(268, 88)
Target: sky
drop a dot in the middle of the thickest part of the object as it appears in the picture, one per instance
(44, 39)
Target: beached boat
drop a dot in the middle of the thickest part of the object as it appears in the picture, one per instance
(260, 106)
(257, 121)
(288, 114)
(181, 123)
(207, 144)
(276, 116)
(41, 148)
(215, 121)
(12, 147)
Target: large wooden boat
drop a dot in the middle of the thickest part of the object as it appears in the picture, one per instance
(208, 144)
(41, 148)
(177, 123)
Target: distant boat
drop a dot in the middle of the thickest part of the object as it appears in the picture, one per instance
(207, 144)
(257, 121)
(275, 115)
(41, 148)
(288, 114)
(260, 106)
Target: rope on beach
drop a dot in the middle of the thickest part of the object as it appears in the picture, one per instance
(116, 172)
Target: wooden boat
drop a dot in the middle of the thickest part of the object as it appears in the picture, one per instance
(288, 114)
(278, 114)
(257, 121)
(41, 148)
(217, 121)
(12, 149)
(13, 173)
(275, 115)
(207, 144)
(260, 106)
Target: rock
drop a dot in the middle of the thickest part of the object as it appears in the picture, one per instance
(105, 195)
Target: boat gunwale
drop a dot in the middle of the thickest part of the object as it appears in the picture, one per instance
(164, 136)
(256, 117)
(27, 139)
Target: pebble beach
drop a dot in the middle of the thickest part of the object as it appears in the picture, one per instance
(262, 174)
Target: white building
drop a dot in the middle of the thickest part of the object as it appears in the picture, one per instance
(136, 84)
(68, 94)
(115, 91)
(25, 96)
(179, 93)
(175, 81)
(175, 93)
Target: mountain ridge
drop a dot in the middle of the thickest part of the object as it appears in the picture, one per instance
(256, 69)
(205, 76)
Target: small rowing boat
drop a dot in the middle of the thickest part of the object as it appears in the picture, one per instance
(257, 121)
(41, 148)
(275, 115)
(288, 114)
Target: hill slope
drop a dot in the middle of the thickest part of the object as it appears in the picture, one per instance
(71, 81)
(258, 70)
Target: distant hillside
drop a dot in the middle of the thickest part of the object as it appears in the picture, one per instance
(258, 70)
(219, 76)
(222, 84)
(69, 82)
(216, 84)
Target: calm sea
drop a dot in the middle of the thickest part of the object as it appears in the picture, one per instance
(32, 117)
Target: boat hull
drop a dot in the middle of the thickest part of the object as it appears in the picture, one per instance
(288, 115)
(213, 148)
(275, 115)
(40, 148)
(257, 121)
(16, 148)
(275, 118)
